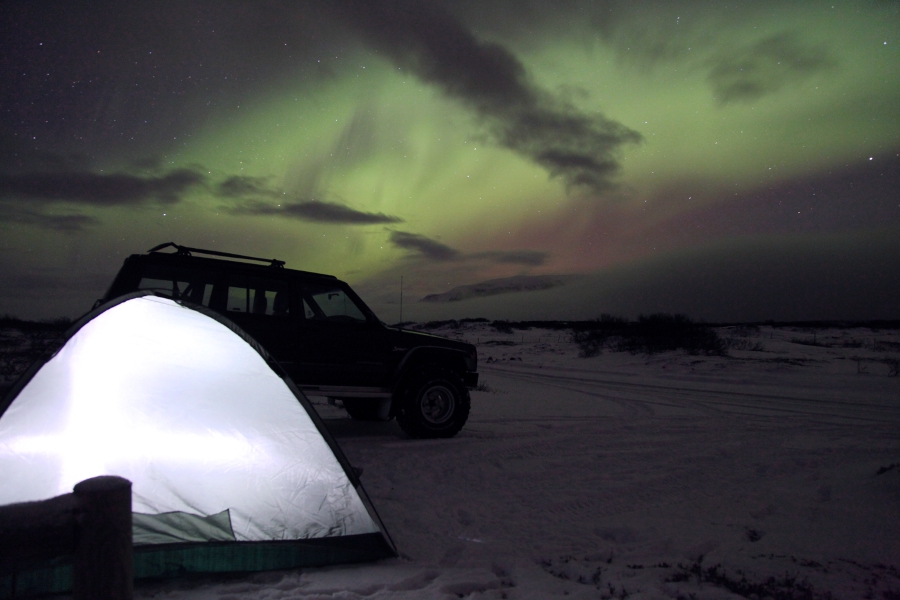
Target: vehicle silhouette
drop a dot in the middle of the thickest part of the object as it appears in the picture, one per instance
(321, 333)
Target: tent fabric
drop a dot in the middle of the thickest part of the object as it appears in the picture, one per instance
(190, 409)
(174, 527)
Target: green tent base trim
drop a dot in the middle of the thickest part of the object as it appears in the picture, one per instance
(178, 560)
(47, 577)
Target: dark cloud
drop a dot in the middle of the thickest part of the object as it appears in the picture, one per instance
(244, 187)
(436, 251)
(24, 198)
(98, 189)
(755, 70)
(250, 189)
(495, 287)
(578, 148)
(68, 223)
(852, 277)
(427, 247)
(690, 35)
(532, 258)
(667, 33)
(318, 212)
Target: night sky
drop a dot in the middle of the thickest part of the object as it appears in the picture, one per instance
(726, 160)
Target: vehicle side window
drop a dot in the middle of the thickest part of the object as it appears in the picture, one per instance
(179, 284)
(258, 296)
(308, 312)
(332, 304)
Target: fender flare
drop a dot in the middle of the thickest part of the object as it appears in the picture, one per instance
(402, 367)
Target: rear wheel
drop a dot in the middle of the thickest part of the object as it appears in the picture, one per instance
(434, 403)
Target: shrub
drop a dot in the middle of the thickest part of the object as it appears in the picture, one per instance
(650, 335)
(733, 343)
(662, 332)
(599, 334)
(502, 326)
(483, 387)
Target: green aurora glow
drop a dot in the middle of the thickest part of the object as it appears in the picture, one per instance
(730, 103)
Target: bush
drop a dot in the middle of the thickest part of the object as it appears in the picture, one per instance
(502, 326)
(650, 335)
(662, 332)
(734, 343)
(599, 334)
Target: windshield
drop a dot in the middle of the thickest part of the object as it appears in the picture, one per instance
(331, 303)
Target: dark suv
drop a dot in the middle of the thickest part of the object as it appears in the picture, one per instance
(321, 333)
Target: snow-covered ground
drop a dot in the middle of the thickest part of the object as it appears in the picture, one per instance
(773, 472)
(632, 476)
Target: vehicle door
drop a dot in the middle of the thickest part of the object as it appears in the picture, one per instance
(261, 306)
(340, 342)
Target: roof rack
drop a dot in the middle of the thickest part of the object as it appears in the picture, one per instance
(185, 251)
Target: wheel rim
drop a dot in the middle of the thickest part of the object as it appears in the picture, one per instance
(437, 404)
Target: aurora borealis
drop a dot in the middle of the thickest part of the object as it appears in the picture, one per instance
(727, 160)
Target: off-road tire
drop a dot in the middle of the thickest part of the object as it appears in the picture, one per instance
(434, 403)
(364, 409)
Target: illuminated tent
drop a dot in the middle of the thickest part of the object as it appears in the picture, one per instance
(231, 467)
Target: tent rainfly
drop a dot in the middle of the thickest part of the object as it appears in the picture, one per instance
(231, 468)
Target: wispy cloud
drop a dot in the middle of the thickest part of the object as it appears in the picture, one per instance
(36, 198)
(737, 69)
(578, 148)
(99, 189)
(251, 191)
(317, 212)
(247, 187)
(754, 70)
(532, 258)
(66, 223)
(434, 250)
(426, 247)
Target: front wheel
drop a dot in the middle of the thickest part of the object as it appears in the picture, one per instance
(433, 404)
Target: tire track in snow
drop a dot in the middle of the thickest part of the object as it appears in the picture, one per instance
(719, 398)
(679, 388)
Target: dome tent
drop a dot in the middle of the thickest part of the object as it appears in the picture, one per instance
(231, 468)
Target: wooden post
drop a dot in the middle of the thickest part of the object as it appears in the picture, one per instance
(103, 563)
